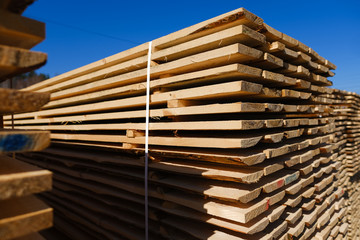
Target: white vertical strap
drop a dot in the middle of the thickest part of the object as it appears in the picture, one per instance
(147, 143)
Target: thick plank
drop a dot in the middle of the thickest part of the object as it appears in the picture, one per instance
(14, 101)
(19, 31)
(195, 125)
(14, 61)
(19, 179)
(206, 142)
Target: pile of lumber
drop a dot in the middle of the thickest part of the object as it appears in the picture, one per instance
(244, 142)
(22, 214)
(17, 35)
(347, 110)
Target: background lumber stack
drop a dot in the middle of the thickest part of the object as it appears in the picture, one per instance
(22, 214)
(243, 140)
(348, 111)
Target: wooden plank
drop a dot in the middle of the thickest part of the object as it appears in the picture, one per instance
(14, 101)
(20, 140)
(238, 34)
(19, 31)
(227, 20)
(189, 125)
(14, 61)
(20, 179)
(205, 142)
(21, 216)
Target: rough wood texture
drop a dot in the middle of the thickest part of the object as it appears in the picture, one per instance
(246, 139)
(14, 61)
(19, 179)
(19, 31)
(14, 101)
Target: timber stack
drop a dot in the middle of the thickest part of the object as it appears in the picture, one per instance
(22, 214)
(348, 111)
(244, 142)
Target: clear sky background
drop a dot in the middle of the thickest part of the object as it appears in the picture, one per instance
(80, 32)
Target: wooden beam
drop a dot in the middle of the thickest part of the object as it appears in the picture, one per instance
(15, 101)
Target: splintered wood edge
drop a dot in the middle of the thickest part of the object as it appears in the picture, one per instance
(15, 101)
(20, 141)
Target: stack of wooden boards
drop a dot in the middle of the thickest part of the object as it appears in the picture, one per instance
(17, 35)
(243, 140)
(22, 214)
(347, 111)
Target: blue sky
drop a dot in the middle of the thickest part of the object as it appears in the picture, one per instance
(80, 32)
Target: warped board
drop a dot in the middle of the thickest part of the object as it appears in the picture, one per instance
(19, 179)
(21, 216)
(21, 140)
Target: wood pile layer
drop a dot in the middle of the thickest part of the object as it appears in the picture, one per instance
(22, 214)
(247, 140)
(347, 110)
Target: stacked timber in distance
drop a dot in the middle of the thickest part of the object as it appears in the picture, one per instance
(243, 140)
(348, 111)
(22, 214)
